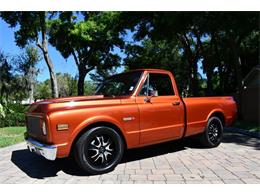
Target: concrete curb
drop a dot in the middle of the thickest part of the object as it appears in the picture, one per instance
(242, 131)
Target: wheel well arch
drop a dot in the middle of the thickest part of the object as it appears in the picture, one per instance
(97, 124)
(220, 115)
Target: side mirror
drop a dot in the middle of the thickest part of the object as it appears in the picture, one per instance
(153, 93)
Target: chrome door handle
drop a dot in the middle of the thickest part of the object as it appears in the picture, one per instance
(176, 103)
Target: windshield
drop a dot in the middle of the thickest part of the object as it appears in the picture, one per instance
(119, 85)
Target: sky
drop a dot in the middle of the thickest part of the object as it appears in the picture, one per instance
(8, 46)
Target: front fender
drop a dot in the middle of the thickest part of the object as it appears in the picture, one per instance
(90, 121)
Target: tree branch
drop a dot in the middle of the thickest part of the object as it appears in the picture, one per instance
(75, 57)
(38, 42)
(43, 30)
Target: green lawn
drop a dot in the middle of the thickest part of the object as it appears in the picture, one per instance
(253, 127)
(11, 135)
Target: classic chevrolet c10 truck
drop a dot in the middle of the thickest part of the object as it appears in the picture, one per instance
(129, 110)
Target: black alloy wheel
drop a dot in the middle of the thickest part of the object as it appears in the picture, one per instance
(99, 150)
(213, 133)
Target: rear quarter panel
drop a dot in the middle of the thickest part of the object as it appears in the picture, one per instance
(200, 109)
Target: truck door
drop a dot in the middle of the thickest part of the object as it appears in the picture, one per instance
(161, 111)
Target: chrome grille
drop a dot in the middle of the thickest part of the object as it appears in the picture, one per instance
(33, 126)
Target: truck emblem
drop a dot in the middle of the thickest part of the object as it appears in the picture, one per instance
(128, 118)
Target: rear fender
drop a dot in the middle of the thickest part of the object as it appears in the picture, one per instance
(214, 111)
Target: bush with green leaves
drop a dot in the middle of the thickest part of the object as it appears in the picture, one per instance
(12, 114)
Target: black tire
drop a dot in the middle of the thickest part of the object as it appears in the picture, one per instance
(213, 133)
(99, 150)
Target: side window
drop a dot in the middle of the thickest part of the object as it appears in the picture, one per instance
(157, 84)
(144, 89)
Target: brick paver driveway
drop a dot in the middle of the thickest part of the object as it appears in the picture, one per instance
(236, 160)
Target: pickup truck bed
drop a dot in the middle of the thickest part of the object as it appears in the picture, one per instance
(199, 109)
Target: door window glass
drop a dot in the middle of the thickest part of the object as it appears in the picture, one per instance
(158, 85)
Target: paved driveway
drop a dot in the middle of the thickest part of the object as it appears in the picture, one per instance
(236, 160)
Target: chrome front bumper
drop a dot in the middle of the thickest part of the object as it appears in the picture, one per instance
(47, 151)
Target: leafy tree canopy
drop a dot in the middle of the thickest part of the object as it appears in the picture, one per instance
(90, 40)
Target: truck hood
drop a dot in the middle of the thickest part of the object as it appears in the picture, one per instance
(76, 102)
(70, 99)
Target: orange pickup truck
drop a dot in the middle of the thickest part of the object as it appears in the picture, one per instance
(129, 110)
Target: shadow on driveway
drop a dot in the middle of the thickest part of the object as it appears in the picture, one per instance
(37, 167)
(240, 139)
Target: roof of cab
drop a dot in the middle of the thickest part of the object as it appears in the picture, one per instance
(150, 70)
(142, 70)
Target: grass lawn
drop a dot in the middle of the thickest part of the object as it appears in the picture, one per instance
(11, 135)
(253, 127)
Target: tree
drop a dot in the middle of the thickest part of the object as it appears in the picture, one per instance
(12, 86)
(90, 88)
(5, 77)
(89, 41)
(67, 84)
(158, 54)
(171, 27)
(33, 27)
(227, 30)
(101, 75)
(26, 64)
(42, 90)
(220, 41)
(67, 87)
(18, 89)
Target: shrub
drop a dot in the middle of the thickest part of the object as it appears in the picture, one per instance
(12, 114)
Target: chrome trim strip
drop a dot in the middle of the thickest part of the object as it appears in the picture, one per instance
(128, 118)
(35, 115)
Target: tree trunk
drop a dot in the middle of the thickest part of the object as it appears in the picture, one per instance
(192, 61)
(238, 65)
(220, 65)
(194, 80)
(209, 83)
(207, 67)
(2, 94)
(83, 70)
(54, 85)
(31, 99)
(44, 47)
(237, 61)
(82, 74)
